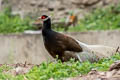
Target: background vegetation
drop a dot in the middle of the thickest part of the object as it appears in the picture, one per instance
(100, 19)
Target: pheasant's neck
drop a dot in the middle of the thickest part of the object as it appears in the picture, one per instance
(46, 27)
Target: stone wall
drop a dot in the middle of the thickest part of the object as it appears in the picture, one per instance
(57, 8)
(18, 48)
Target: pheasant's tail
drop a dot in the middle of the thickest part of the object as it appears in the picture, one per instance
(95, 53)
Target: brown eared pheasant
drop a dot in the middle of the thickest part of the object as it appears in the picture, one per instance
(67, 47)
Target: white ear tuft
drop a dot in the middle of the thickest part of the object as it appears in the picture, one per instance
(46, 18)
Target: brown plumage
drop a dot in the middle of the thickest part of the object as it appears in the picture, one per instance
(61, 43)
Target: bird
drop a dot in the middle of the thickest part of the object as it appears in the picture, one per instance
(66, 47)
(71, 20)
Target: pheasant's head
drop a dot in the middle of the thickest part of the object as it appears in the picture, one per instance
(42, 18)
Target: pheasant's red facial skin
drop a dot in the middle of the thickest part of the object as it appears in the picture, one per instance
(43, 17)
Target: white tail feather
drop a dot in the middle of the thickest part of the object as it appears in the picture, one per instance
(94, 52)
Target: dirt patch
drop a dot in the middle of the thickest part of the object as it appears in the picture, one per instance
(17, 69)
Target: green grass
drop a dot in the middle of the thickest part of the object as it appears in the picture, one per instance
(61, 70)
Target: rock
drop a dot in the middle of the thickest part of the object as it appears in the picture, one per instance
(115, 65)
(39, 7)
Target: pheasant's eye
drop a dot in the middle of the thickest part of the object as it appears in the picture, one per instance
(43, 17)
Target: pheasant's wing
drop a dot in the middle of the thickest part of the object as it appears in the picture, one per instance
(68, 43)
